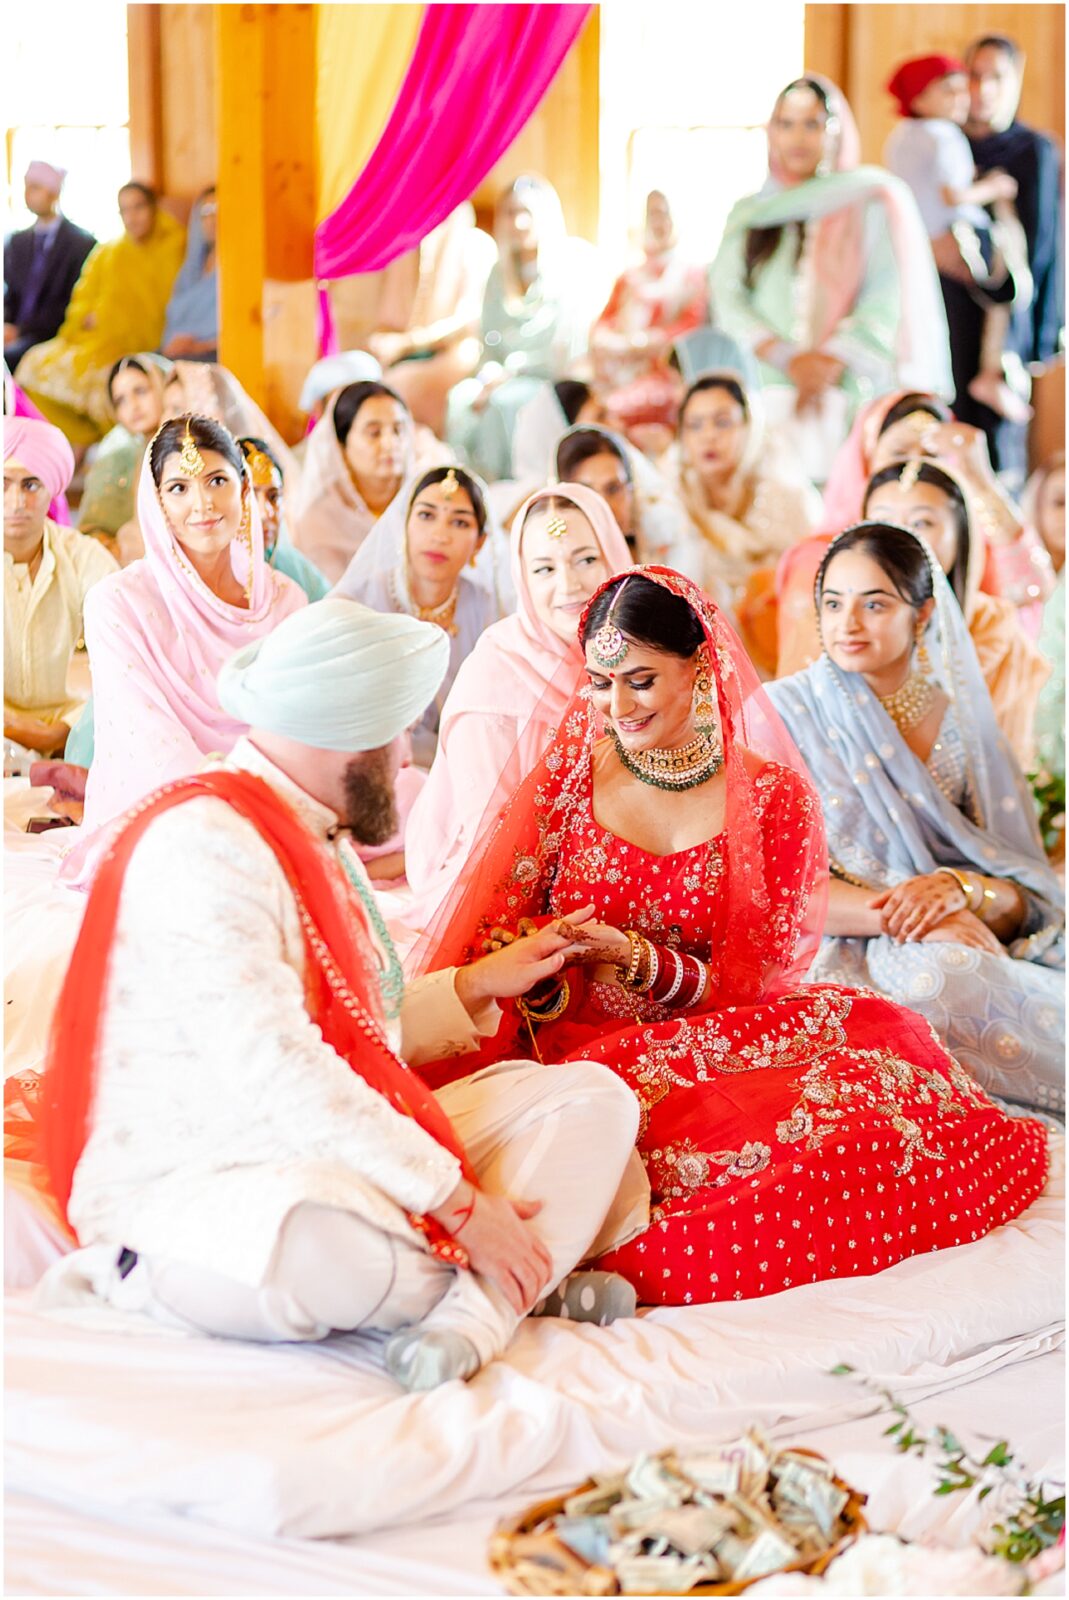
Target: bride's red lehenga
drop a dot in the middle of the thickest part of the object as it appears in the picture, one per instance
(791, 1132)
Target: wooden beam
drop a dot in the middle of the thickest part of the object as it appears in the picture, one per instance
(289, 122)
(146, 98)
(242, 200)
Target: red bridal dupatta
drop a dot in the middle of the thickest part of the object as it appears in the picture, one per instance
(341, 988)
(776, 878)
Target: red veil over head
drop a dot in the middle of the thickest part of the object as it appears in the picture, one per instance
(776, 859)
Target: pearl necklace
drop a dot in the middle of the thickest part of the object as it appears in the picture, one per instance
(683, 768)
(910, 703)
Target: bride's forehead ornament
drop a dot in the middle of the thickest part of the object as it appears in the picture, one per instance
(609, 645)
(556, 527)
(450, 484)
(190, 460)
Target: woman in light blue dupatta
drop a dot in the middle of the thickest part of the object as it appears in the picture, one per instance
(942, 897)
(192, 327)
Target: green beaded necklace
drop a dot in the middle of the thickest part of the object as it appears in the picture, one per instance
(685, 768)
(392, 981)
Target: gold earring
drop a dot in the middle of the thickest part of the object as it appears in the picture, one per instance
(704, 711)
(245, 530)
(924, 660)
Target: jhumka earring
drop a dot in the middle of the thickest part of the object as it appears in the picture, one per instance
(190, 460)
(609, 645)
(245, 532)
(924, 660)
(704, 710)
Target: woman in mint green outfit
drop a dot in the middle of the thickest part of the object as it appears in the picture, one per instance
(826, 275)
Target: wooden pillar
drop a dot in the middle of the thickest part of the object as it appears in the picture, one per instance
(827, 42)
(146, 98)
(265, 120)
(240, 190)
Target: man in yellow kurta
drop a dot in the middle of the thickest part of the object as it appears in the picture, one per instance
(118, 306)
(48, 570)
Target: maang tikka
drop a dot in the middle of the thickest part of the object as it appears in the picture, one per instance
(190, 460)
(609, 645)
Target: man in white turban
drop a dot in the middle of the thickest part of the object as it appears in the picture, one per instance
(258, 1158)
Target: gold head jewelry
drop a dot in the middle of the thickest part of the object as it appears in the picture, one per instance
(919, 421)
(556, 528)
(907, 478)
(261, 468)
(450, 484)
(610, 647)
(704, 712)
(190, 462)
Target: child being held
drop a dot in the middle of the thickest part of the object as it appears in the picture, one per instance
(929, 151)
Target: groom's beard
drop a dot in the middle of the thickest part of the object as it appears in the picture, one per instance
(370, 807)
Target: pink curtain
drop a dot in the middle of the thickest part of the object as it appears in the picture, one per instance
(477, 74)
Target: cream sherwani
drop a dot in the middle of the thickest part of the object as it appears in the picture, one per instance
(232, 1149)
(43, 621)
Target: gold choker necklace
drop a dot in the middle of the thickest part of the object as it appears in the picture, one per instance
(683, 768)
(910, 703)
(442, 615)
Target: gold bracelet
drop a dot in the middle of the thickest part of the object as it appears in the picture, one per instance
(636, 942)
(968, 889)
(647, 977)
(986, 896)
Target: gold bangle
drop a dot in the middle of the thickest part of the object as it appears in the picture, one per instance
(968, 889)
(983, 908)
(636, 942)
(555, 1006)
(647, 977)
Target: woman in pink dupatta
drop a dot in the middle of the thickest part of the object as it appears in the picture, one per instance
(898, 426)
(157, 636)
(565, 542)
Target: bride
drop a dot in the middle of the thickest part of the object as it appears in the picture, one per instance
(791, 1133)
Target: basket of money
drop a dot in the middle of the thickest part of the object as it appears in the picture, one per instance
(699, 1522)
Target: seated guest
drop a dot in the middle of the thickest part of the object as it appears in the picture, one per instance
(191, 328)
(568, 403)
(357, 458)
(651, 306)
(265, 472)
(513, 686)
(746, 500)
(230, 1114)
(42, 264)
(536, 318)
(424, 558)
(855, 310)
(921, 496)
(893, 428)
(427, 320)
(117, 306)
(48, 572)
(647, 512)
(136, 391)
(942, 897)
(331, 373)
(158, 632)
(16, 404)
